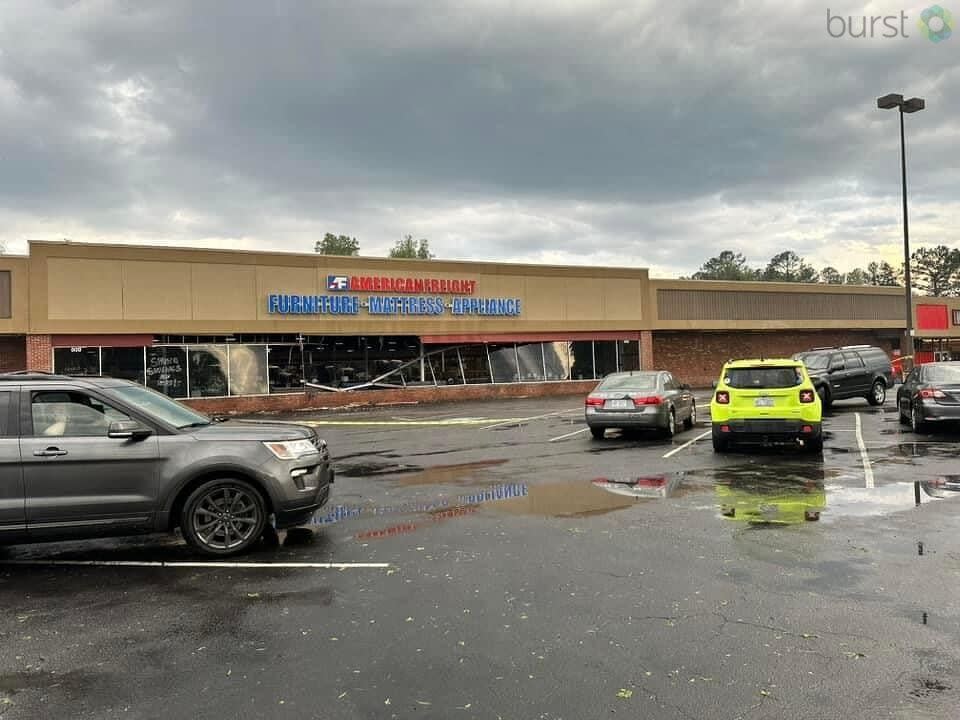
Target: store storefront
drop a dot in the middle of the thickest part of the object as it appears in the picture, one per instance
(228, 330)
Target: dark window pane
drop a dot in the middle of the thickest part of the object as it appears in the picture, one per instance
(71, 414)
(167, 370)
(286, 368)
(582, 355)
(393, 356)
(556, 356)
(5, 399)
(503, 362)
(445, 366)
(5, 294)
(763, 377)
(630, 355)
(208, 370)
(123, 363)
(605, 354)
(531, 362)
(77, 361)
(476, 368)
(248, 369)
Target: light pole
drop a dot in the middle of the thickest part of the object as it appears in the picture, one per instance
(889, 102)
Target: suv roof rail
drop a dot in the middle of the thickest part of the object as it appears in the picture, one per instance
(32, 375)
(855, 347)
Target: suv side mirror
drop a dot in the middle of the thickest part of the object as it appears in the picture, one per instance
(684, 386)
(714, 384)
(128, 430)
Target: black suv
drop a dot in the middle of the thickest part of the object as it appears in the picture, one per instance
(851, 371)
(86, 457)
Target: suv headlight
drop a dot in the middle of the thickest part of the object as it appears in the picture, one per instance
(291, 449)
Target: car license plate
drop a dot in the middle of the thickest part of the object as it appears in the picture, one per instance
(763, 402)
(619, 404)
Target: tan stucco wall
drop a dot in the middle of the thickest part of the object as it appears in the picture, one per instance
(82, 288)
(87, 288)
(19, 320)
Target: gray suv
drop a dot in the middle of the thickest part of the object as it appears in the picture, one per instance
(92, 457)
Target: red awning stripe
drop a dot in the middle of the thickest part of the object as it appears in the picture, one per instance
(466, 339)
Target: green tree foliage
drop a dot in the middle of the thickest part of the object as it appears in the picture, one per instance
(789, 267)
(883, 273)
(410, 248)
(936, 271)
(337, 245)
(831, 276)
(728, 265)
(857, 277)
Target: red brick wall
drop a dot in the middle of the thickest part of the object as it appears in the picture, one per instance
(647, 360)
(39, 353)
(696, 357)
(373, 398)
(13, 353)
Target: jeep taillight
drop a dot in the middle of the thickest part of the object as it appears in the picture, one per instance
(723, 398)
(807, 396)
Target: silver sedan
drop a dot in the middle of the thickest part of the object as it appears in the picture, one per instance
(640, 399)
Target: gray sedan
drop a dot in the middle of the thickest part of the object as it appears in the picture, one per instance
(648, 399)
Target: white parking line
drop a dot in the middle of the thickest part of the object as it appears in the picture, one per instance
(687, 444)
(864, 457)
(188, 564)
(575, 432)
(535, 417)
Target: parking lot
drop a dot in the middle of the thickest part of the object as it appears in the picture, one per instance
(492, 560)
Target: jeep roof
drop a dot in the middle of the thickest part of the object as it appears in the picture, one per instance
(761, 362)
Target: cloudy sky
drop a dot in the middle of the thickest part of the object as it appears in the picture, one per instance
(566, 131)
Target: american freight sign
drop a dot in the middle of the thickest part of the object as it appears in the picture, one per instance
(430, 297)
(402, 285)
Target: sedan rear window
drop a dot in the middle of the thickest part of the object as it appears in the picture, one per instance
(760, 377)
(629, 382)
(942, 373)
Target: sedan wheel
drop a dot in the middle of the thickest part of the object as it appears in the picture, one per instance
(671, 427)
(223, 517)
(692, 420)
(916, 420)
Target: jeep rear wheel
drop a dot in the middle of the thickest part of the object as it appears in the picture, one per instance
(223, 517)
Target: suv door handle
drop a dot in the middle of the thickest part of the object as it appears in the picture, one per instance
(49, 452)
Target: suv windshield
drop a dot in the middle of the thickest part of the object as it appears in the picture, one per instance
(816, 362)
(160, 406)
(759, 377)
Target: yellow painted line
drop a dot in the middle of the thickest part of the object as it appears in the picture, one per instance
(400, 423)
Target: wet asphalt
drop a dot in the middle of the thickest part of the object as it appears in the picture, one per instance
(533, 572)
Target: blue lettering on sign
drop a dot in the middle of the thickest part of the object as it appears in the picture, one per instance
(340, 304)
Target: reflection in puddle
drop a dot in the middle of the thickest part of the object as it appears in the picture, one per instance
(460, 473)
(881, 500)
(656, 486)
(569, 499)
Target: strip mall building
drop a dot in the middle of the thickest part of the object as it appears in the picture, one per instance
(254, 331)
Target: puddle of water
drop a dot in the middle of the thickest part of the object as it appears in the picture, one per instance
(459, 474)
(568, 499)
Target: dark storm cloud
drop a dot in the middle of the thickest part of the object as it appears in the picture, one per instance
(616, 122)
